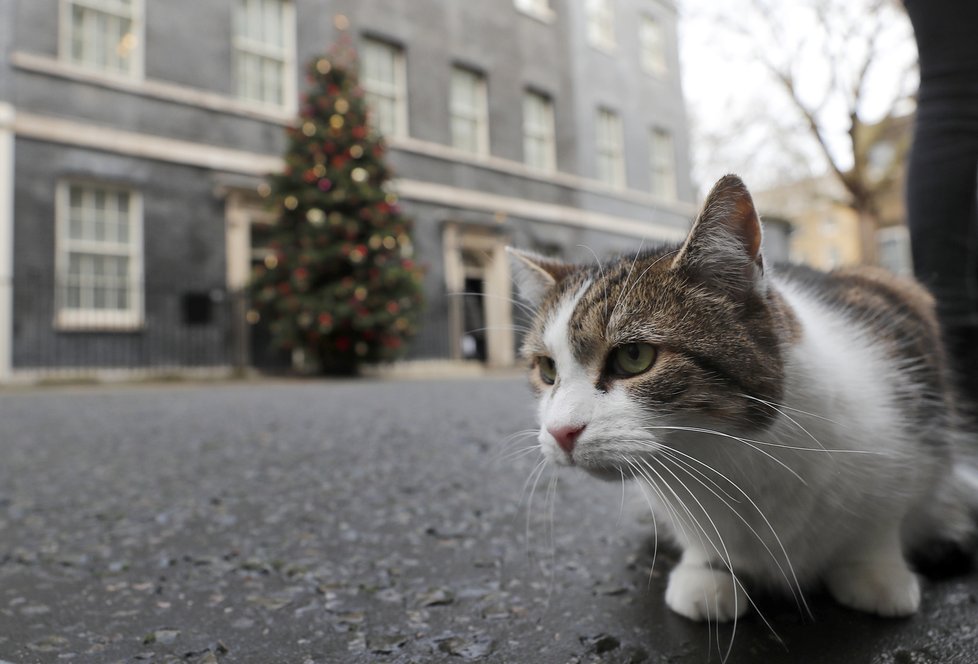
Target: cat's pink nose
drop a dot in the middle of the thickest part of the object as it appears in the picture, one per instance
(567, 436)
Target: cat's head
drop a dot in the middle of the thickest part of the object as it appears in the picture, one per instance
(623, 352)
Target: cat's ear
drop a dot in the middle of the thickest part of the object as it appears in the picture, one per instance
(534, 274)
(724, 245)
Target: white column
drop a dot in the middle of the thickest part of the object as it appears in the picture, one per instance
(6, 240)
(499, 308)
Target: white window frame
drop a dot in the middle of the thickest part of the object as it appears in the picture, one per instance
(611, 147)
(652, 40)
(92, 318)
(479, 115)
(137, 15)
(538, 9)
(901, 236)
(396, 91)
(601, 24)
(662, 167)
(544, 134)
(286, 55)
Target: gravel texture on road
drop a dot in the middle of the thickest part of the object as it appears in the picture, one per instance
(360, 521)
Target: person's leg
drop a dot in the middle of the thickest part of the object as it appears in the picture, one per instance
(942, 175)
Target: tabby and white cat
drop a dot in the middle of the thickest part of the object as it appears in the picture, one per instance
(788, 429)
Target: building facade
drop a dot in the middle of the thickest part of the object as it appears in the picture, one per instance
(825, 230)
(135, 137)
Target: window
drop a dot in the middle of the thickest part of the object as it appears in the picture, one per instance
(103, 35)
(384, 82)
(264, 51)
(662, 155)
(833, 258)
(894, 249)
(99, 257)
(537, 8)
(653, 43)
(601, 23)
(610, 155)
(470, 125)
(538, 132)
(880, 158)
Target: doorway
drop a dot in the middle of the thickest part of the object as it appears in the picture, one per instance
(247, 227)
(478, 282)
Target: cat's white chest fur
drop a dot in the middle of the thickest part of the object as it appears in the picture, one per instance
(836, 463)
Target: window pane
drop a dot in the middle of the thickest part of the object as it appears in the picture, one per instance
(653, 46)
(663, 164)
(102, 35)
(384, 113)
(601, 22)
(97, 257)
(260, 54)
(464, 91)
(383, 85)
(272, 80)
(468, 110)
(538, 131)
(463, 134)
(122, 218)
(77, 34)
(610, 159)
(272, 12)
(379, 63)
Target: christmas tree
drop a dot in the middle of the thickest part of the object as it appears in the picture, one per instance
(338, 282)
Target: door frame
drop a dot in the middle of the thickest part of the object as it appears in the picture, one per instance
(497, 290)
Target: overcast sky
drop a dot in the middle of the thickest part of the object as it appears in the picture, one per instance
(726, 88)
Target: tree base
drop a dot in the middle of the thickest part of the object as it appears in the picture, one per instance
(338, 366)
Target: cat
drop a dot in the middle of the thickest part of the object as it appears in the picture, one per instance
(789, 429)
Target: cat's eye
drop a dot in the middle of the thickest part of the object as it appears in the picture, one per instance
(631, 359)
(548, 369)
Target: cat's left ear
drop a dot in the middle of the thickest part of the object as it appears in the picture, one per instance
(534, 274)
(724, 245)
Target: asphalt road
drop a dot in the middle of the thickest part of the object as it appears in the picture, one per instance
(357, 522)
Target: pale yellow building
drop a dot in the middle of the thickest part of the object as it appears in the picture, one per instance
(825, 231)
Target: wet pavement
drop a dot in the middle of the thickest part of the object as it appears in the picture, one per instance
(312, 522)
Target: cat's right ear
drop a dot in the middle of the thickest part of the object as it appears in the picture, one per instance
(534, 274)
(724, 245)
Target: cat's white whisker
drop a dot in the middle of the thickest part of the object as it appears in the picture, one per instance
(676, 454)
(668, 451)
(506, 445)
(520, 453)
(677, 523)
(726, 558)
(534, 475)
(597, 261)
(792, 582)
(789, 418)
(527, 309)
(621, 291)
(504, 328)
(552, 498)
(782, 407)
(639, 280)
(621, 507)
(746, 441)
(767, 443)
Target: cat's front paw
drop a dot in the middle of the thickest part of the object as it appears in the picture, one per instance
(701, 593)
(887, 589)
